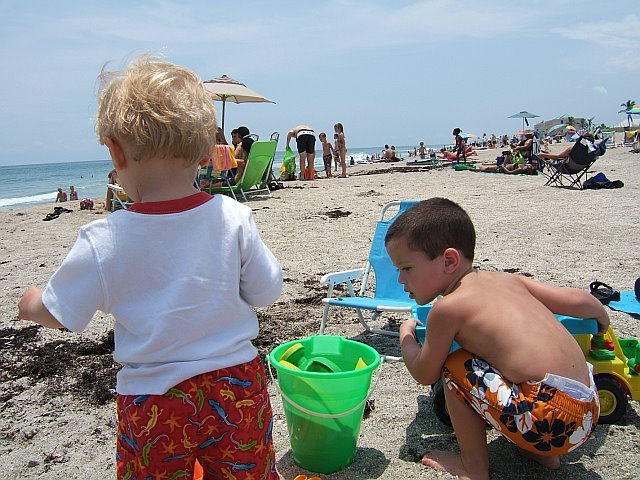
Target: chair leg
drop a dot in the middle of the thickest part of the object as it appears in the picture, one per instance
(325, 318)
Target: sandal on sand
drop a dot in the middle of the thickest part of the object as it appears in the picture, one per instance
(604, 292)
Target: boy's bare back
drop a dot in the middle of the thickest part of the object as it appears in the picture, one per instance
(497, 317)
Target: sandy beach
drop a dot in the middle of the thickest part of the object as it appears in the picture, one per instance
(56, 399)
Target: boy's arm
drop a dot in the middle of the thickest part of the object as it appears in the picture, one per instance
(425, 364)
(32, 308)
(568, 301)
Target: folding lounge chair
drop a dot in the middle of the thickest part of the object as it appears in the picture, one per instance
(572, 172)
(259, 159)
(269, 178)
(388, 295)
(120, 198)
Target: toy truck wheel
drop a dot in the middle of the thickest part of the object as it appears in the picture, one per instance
(439, 403)
(613, 400)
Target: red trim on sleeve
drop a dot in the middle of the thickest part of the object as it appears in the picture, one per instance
(171, 206)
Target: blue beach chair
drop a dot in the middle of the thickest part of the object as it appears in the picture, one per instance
(388, 294)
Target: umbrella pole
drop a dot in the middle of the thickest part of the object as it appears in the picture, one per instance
(223, 104)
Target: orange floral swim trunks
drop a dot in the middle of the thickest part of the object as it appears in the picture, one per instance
(537, 417)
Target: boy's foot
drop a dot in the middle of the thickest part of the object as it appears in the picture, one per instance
(552, 463)
(448, 462)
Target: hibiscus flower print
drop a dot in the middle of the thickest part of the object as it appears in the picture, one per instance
(581, 434)
(546, 436)
(476, 370)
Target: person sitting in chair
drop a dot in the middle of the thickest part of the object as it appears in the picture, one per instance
(524, 148)
(570, 164)
(241, 138)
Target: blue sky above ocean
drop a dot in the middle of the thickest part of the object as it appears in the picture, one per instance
(391, 72)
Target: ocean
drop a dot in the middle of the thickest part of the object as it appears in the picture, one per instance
(24, 185)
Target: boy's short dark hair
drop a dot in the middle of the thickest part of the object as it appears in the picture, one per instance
(434, 225)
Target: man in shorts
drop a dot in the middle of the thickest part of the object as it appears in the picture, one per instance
(306, 143)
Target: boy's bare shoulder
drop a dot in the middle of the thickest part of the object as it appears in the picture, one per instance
(476, 292)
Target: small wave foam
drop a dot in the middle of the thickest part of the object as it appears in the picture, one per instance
(44, 197)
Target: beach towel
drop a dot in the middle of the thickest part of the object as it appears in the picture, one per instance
(628, 303)
(224, 158)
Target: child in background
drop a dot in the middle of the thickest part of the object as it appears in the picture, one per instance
(519, 369)
(327, 154)
(192, 385)
(73, 194)
(341, 148)
(336, 154)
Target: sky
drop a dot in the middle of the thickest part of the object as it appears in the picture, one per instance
(392, 72)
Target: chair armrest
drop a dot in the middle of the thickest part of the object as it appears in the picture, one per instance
(346, 276)
(116, 188)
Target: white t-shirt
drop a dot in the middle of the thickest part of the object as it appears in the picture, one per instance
(180, 279)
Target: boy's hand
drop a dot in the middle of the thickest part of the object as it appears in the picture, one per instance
(408, 328)
(603, 325)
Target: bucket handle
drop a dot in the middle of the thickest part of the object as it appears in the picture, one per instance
(326, 415)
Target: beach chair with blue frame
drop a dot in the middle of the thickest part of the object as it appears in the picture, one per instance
(388, 295)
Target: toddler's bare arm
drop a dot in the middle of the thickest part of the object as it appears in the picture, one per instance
(32, 308)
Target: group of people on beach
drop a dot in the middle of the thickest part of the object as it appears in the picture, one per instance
(62, 195)
(184, 327)
(305, 139)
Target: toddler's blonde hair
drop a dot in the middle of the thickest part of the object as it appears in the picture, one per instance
(157, 109)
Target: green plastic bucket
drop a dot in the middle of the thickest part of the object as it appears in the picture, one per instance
(324, 400)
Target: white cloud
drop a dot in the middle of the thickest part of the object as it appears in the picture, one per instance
(601, 90)
(622, 34)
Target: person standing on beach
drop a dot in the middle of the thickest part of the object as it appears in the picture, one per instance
(422, 151)
(112, 179)
(461, 145)
(341, 145)
(62, 195)
(327, 154)
(306, 143)
(192, 385)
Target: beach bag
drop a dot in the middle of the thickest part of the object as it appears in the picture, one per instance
(289, 161)
(517, 158)
(599, 181)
